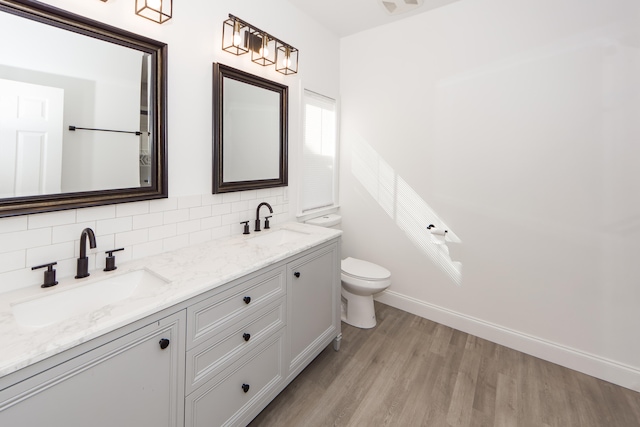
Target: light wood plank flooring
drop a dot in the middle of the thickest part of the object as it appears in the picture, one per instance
(409, 371)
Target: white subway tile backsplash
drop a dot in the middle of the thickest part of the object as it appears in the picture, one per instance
(129, 209)
(146, 249)
(211, 199)
(240, 206)
(69, 233)
(232, 218)
(106, 242)
(51, 219)
(188, 226)
(162, 232)
(142, 228)
(10, 261)
(18, 223)
(189, 201)
(200, 212)
(210, 222)
(174, 216)
(96, 213)
(148, 220)
(50, 253)
(220, 209)
(115, 225)
(66, 268)
(132, 237)
(231, 197)
(248, 195)
(25, 239)
(161, 205)
(17, 279)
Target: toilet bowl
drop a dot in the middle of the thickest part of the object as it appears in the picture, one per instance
(360, 281)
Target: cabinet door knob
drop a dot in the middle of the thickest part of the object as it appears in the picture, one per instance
(164, 343)
(246, 300)
(245, 387)
(246, 336)
(297, 274)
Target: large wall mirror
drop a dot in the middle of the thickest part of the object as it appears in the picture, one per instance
(82, 112)
(250, 131)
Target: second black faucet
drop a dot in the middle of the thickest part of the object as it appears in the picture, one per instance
(258, 215)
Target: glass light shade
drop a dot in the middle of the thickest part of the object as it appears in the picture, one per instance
(235, 37)
(286, 59)
(263, 49)
(159, 11)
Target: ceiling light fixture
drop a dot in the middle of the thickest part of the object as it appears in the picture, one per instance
(159, 11)
(240, 37)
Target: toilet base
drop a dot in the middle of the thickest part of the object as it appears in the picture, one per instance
(359, 310)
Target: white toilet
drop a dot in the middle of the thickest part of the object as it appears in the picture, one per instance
(360, 280)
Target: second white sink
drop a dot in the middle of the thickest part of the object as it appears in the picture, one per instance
(57, 306)
(277, 237)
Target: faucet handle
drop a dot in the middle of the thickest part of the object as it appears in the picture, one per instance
(110, 263)
(246, 227)
(49, 275)
(266, 222)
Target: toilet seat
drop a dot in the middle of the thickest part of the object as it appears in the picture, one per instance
(364, 270)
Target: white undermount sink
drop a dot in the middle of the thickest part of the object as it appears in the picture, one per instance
(54, 307)
(277, 237)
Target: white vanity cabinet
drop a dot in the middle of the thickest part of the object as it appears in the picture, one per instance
(129, 381)
(249, 352)
(215, 359)
(313, 301)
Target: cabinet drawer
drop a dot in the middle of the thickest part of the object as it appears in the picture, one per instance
(212, 356)
(209, 317)
(224, 402)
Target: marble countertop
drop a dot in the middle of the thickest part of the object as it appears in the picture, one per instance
(187, 272)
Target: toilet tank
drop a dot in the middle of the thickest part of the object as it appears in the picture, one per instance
(327, 221)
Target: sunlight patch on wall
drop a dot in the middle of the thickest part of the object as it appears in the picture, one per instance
(409, 211)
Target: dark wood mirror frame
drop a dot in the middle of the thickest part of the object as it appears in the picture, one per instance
(50, 15)
(220, 72)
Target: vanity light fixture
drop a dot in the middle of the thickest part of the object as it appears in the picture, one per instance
(240, 37)
(159, 11)
(286, 59)
(235, 36)
(263, 50)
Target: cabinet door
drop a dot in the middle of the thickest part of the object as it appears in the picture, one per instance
(313, 292)
(130, 381)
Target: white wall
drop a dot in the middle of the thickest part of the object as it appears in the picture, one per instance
(515, 126)
(191, 214)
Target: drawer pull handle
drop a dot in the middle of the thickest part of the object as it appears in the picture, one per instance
(246, 336)
(297, 274)
(246, 300)
(164, 343)
(245, 387)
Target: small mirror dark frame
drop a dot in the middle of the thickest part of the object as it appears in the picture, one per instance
(221, 72)
(50, 15)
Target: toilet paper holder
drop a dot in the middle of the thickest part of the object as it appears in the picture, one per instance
(431, 227)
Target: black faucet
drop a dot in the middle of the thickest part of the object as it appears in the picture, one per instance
(258, 214)
(83, 261)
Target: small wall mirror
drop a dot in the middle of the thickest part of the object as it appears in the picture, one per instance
(82, 112)
(250, 131)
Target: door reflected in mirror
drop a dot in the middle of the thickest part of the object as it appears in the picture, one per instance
(250, 131)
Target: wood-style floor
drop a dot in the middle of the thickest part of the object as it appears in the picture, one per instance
(409, 371)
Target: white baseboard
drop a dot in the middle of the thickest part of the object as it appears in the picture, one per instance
(596, 366)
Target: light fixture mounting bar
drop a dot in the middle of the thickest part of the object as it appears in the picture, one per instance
(253, 27)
